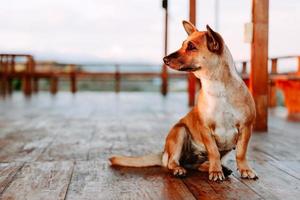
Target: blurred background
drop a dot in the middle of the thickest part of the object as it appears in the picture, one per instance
(128, 36)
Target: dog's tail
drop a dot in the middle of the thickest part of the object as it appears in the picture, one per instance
(140, 161)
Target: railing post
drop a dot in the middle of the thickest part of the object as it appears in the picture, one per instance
(73, 79)
(11, 71)
(164, 80)
(298, 65)
(244, 68)
(26, 83)
(117, 79)
(164, 72)
(274, 66)
(3, 76)
(53, 84)
(272, 87)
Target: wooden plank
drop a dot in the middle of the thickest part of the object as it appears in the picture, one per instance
(273, 183)
(231, 188)
(291, 167)
(7, 174)
(23, 146)
(200, 187)
(259, 62)
(279, 122)
(279, 147)
(70, 144)
(40, 180)
(96, 180)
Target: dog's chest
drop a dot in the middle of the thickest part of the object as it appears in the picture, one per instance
(225, 117)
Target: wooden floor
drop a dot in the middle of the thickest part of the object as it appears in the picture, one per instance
(56, 147)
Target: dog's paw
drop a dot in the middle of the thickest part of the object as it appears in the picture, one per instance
(248, 173)
(179, 172)
(216, 176)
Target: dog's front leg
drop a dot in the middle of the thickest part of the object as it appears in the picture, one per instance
(173, 149)
(241, 150)
(215, 167)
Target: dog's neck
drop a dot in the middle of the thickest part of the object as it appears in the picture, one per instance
(215, 80)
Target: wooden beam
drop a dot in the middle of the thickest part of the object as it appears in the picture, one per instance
(191, 78)
(259, 62)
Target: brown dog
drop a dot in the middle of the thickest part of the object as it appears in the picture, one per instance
(222, 119)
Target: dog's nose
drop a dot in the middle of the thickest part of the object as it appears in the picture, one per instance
(166, 60)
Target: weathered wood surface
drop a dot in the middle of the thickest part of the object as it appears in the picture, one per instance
(40, 180)
(56, 147)
(7, 174)
(96, 180)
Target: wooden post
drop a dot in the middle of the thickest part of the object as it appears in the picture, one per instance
(53, 84)
(27, 79)
(259, 62)
(272, 87)
(117, 79)
(164, 73)
(244, 68)
(3, 76)
(11, 71)
(10, 64)
(73, 84)
(191, 78)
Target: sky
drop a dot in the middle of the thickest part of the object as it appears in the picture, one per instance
(132, 30)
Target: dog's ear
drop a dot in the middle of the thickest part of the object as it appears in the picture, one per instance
(189, 27)
(214, 41)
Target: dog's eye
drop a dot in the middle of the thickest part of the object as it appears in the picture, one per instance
(191, 46)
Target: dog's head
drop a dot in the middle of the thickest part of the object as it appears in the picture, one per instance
(200, 50)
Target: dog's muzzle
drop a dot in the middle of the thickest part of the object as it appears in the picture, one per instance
(166, 60)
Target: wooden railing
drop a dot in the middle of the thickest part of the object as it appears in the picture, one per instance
(274, 75)
(31, 75)
(8, 72)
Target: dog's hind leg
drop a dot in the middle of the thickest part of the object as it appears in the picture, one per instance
(173, 149)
